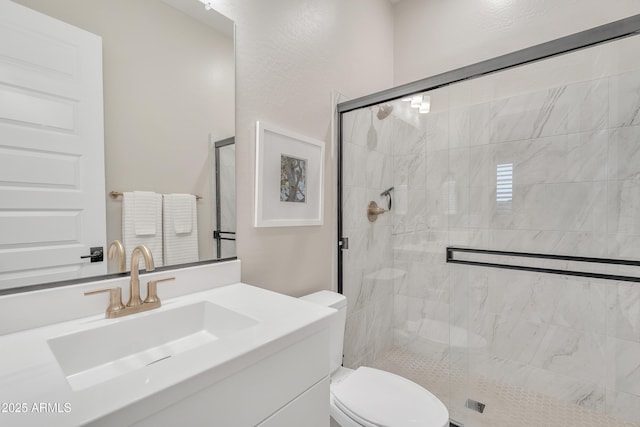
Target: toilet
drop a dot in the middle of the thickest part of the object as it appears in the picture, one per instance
(371, 397)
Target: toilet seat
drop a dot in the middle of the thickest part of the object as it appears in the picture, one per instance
(375, 398)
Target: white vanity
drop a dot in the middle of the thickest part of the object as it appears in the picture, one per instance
(217, 352)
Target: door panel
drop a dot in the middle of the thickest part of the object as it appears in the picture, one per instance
(52, 207)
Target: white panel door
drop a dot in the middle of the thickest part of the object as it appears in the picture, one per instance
(52, 203)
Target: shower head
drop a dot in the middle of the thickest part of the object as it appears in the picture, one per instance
(383, 111)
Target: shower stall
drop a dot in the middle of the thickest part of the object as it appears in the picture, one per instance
(499, 269)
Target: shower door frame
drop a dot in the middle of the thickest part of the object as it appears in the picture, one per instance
(218, 234)
(598, 35)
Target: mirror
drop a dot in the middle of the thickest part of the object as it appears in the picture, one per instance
(169, 95)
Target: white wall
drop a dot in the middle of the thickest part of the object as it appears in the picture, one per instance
(291, 55)
(434, 36)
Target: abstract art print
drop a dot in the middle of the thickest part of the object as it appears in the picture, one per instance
(293, 175)
(289, 178)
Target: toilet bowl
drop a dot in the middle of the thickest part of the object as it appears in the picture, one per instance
(372, 397)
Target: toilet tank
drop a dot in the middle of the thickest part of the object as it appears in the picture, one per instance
(339, 302)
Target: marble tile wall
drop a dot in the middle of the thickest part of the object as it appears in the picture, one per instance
(368, 270)
(575, 154)
(575, 191)
(424, 209)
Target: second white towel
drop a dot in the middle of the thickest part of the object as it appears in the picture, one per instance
(180, 228)
(142, 224)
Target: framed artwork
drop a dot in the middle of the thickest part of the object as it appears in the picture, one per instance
(289, 178)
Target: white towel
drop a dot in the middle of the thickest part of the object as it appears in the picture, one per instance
(180, 228)
(144, 213)
(182, 207)
(142, 224)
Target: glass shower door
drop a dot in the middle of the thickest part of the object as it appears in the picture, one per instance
(368, 276)
(542, 158)
(225, 169)
(551, 170)
(394, 274)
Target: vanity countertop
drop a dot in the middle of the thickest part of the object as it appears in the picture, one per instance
(34, 389)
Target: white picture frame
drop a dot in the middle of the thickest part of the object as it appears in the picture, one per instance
(289, 179)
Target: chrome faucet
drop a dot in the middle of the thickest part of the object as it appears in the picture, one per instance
(134, 284)
(135, 303)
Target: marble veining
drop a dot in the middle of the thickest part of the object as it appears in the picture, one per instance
(623, 206)
(625, 99)
(624, 153)
(573, 353)
(561, 110)
(436, 128)
(409, 169)
(623, 311)
(574, 154)
(470, 126)
(623, 366)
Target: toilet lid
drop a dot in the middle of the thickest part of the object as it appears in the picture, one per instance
(379, 398)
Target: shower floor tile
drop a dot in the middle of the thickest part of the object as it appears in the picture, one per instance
(506, 405)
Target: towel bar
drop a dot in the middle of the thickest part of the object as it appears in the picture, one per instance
(116, 194)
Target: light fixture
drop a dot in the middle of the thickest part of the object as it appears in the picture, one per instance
(408, 99)
(416, 100)
(425, 105)
(208, 5)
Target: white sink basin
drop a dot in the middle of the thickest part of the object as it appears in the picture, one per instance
(92, 356)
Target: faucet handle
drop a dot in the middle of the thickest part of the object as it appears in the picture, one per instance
(152, 290)
(115, 299)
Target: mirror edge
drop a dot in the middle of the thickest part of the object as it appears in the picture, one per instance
(51, 285)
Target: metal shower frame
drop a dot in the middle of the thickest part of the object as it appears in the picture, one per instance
(605, 33)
